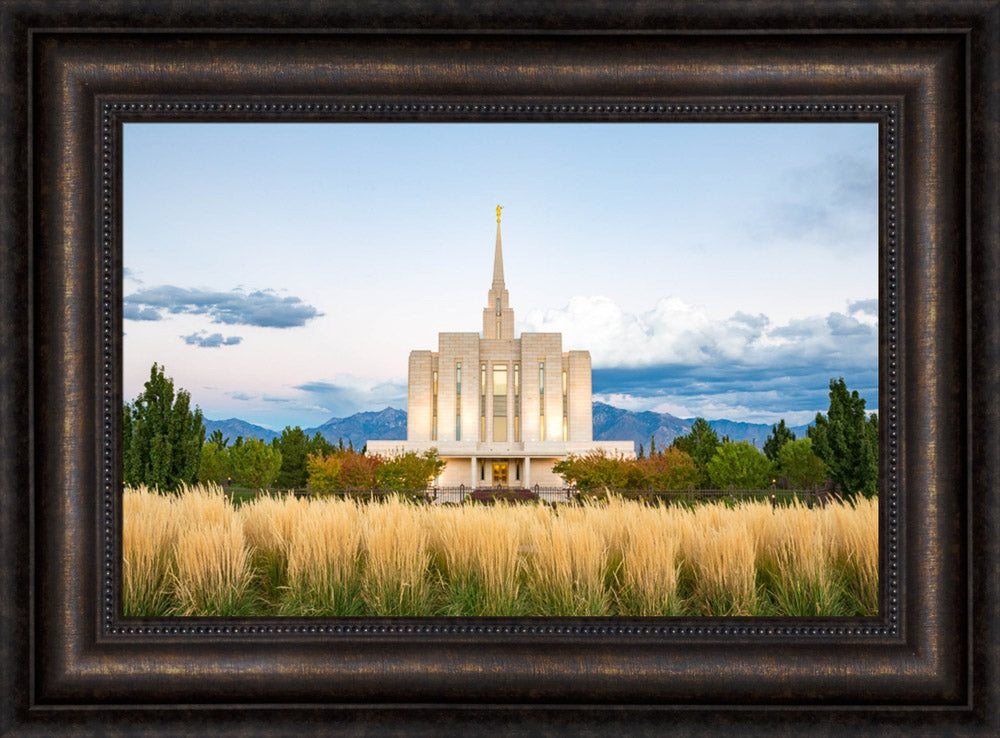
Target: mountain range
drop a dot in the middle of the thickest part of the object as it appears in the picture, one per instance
(610, 424)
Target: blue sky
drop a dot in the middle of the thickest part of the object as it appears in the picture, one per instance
(283, 272)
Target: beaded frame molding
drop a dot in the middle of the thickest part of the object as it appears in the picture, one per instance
(113, 115)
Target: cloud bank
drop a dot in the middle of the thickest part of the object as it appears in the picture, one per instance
(347, 394)
(318, 401)
(263, 308)
(675, 358)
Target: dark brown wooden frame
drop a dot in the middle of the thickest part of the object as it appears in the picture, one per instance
(928, 72)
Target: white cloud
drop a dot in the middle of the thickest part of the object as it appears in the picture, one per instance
(674, 332)
(675, 358)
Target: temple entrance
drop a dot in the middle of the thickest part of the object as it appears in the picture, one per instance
(499, 473)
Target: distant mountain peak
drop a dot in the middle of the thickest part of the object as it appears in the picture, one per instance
(610, 424)
(232, 428)
(388, 424)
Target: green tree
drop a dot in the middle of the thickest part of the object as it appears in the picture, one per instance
(323, 471)
(318, 444)
(218, 439)
(214, 464)
(847, 441)
(294, 446)
(740, 465)
(410, 471)
(800, 465)
(700, 444)
(780, 435)
(254, 463)
(670, 469)
(161, 435)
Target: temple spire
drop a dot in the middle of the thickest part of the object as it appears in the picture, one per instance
(498, 318)
(498, 257)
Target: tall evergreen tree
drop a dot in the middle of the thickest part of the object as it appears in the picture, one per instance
(700, 443)
(161, 435)
(294, 446)
(847, 441)
(779, 436)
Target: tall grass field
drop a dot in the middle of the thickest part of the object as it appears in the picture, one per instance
(195, 553)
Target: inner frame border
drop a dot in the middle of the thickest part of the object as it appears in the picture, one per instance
(115, 114)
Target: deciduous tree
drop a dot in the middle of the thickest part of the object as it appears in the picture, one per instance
(800, 465)
(598, 470)
(670, 469)
(324, 471)
(360, 470)
(740, 465)
(254, 463)
(161, 435)
(214, 465)
(410, 471)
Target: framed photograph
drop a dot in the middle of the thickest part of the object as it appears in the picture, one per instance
(563, 399)
(168, 205)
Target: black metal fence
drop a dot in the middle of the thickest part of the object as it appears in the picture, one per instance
(462, 494)
(775, 496)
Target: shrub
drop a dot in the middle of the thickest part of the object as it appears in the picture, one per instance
(410, 471)
(599, 471)
(488, 495)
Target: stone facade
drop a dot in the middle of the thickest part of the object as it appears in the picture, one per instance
(500, 410)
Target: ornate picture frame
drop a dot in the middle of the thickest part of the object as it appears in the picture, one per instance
(927, 75)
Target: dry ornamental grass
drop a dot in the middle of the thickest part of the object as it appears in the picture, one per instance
(194, 553)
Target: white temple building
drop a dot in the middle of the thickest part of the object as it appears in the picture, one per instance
(500, 410)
